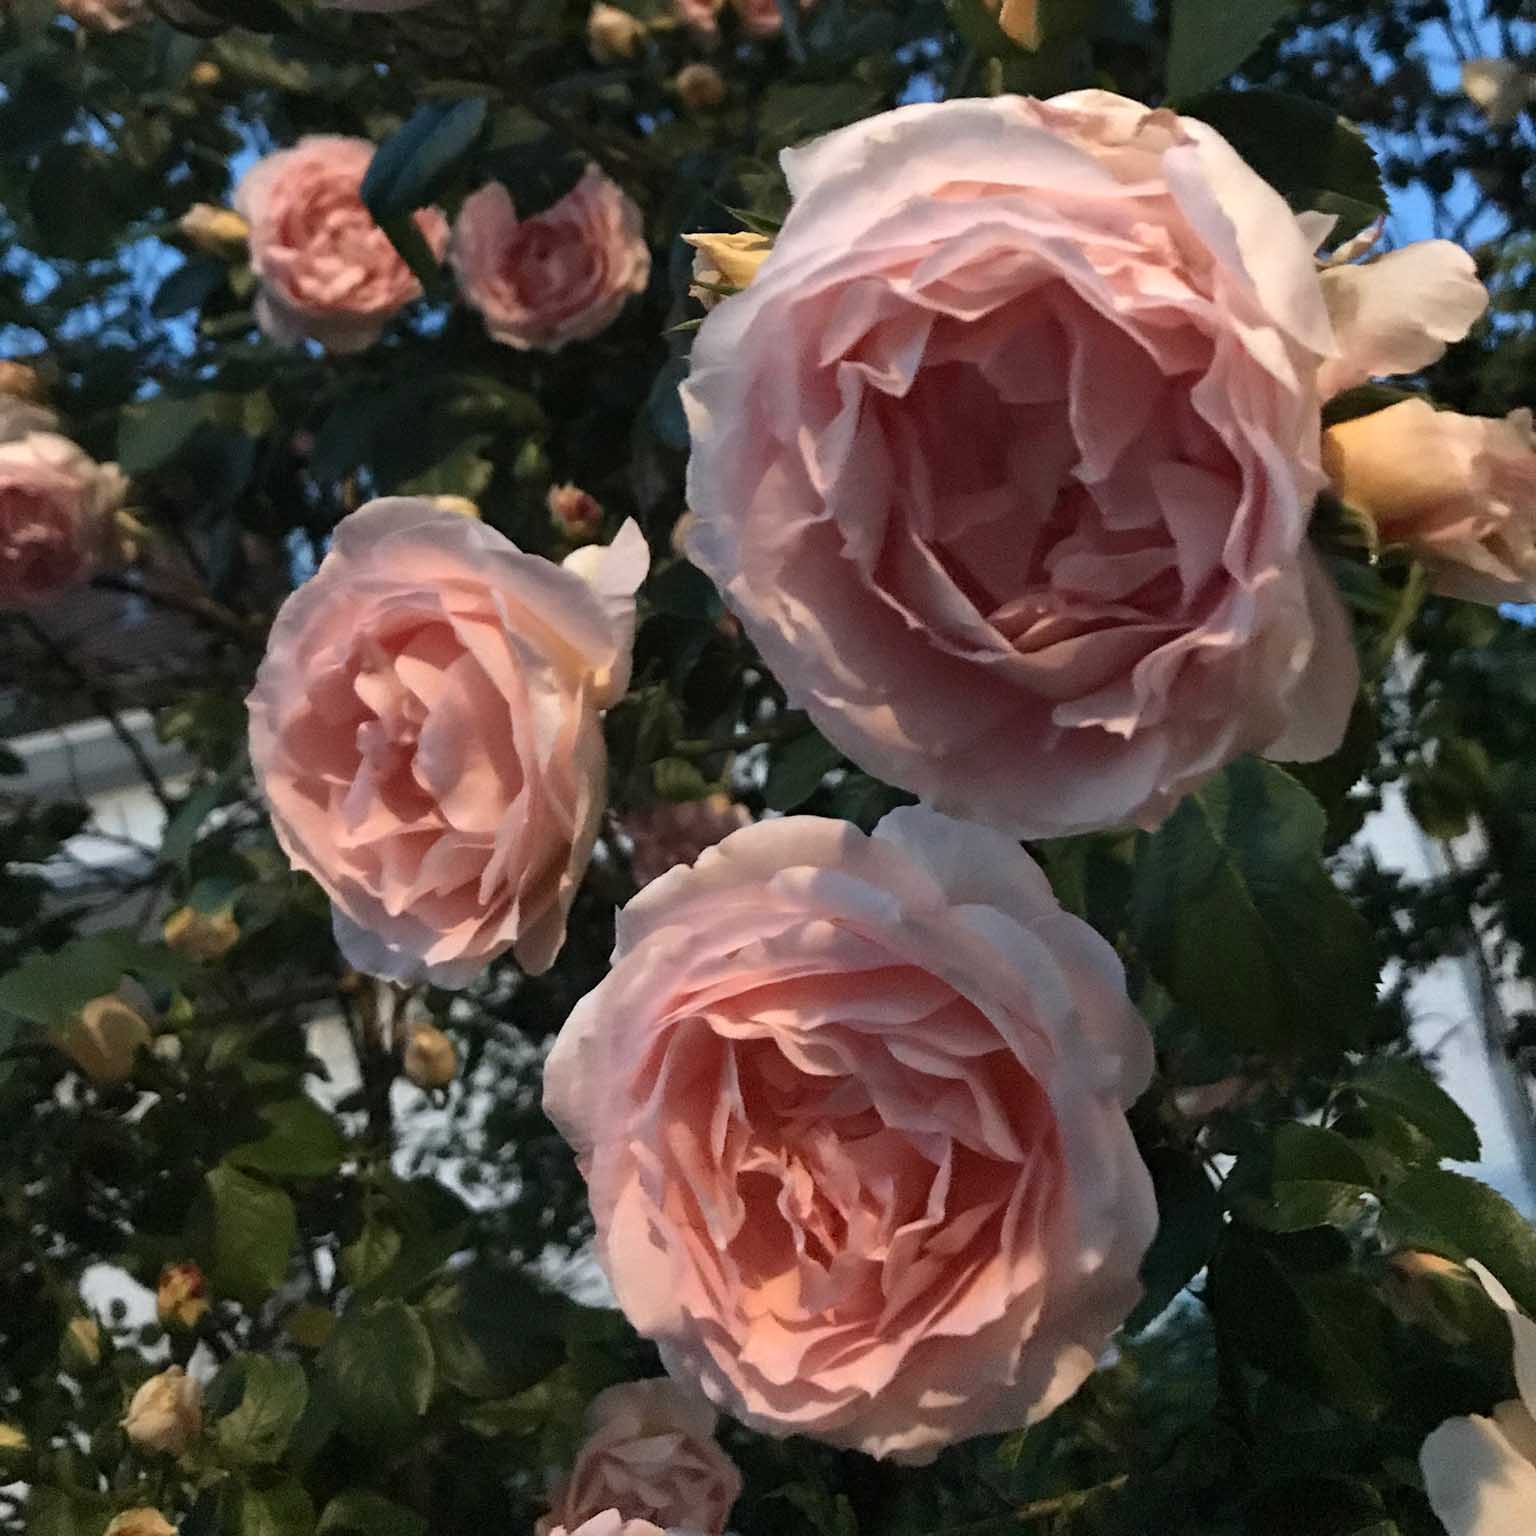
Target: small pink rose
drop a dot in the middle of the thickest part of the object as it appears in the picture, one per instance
(1005, 460)
(558, 277)
(56, 506)
(611, 1523)
(426, 728)
(700, 16)
(327, 271)
(1459, 491)
(762, 18)
(650, 1454)
(851, 1112)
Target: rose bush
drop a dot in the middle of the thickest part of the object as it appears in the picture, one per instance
(851, 1112)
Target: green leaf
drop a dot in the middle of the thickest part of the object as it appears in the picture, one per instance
(361, 1513)
(675, 778)
(48, 989)
(1307, 1152)
(258, 1430)
(791, 112)
(1409, 1090)
(369, 1258)
(1212, 38)
(1459, 1218)
(380, 1365)
(1189, 1224)
(55, 1512)
(151, 433)
(1297, 1204)
(254, 1230)
(1236, 915)
(411, 167)
(1282, 1303)
(304, 1142)
(494, 1332)
(1302, 148)
(283, 1510)
(797, 770)
(684, 591)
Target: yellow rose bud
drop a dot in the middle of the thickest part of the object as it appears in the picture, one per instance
(205, 74)
(725, 261)
(81, 1348)
(1019, 21)
(181, 1298)
(13, 1439)
(140, 1522)
(613, 34)
(23, 383)
(215, 231)
(700, 86)
(460, 504)
(166, 1413)
(201, 935)
(431, 1061)
(104, 1038)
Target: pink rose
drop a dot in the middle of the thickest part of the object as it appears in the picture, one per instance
(1005, 459)
(851, 1112)
(701, 16)
(327, 271)
(560, 276)
(56, 507)
(1459, 491)
(665, 835)
(425, 727)
(650, 1454)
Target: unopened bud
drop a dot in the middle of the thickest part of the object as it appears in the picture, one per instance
(22, 383)
(201, 935)
(725, 261)
(166, 1413)
(140, 1522)
(80, 1349)
(575, 513)
(215, 231)
(205, 74)
(431, 1061)
(613, 34)
(104, 1038)
(181, 1297)
(460, 504)
(700, 86)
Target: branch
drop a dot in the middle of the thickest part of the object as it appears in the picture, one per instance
(193, 605)
(102, 700)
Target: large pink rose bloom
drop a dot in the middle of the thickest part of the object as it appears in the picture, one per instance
(851, 1112)
(426, 729)
(562, 275)
(650, 1454)
(327, 271)
(1006, 456)
(56, 505)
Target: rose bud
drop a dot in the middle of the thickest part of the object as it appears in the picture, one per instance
(215, 231)
(22, 383)
(700, 86)
(725, 261)
(104, 1038)
(181, 1298)
(613, 34)
(80, 1349)
(201, 935)
(166, 1413)
(140, 1522)
(431, 1060)
(460, 504)
(576, 514)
